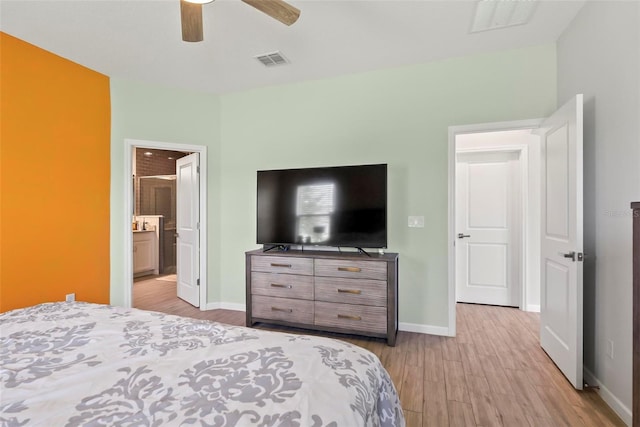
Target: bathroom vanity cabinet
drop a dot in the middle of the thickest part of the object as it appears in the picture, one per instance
(145, 252)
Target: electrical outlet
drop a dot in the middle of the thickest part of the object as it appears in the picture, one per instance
(71, 297)
(610, 349)
(416, 222)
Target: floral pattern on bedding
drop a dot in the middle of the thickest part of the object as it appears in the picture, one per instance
(73, 364)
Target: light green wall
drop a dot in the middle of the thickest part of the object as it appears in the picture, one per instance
(154, 113)
(398, 116)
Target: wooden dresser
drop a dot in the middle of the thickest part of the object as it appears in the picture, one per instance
(327, 291)
(635, 206)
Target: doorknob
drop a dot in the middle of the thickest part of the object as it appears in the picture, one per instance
(573, 255)
(462, 236)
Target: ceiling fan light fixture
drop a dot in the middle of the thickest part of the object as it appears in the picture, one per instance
(191, 15)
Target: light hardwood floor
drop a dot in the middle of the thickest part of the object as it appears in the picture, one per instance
(493, 373)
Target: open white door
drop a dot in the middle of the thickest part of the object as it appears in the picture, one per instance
(561, 245)
(187, 227)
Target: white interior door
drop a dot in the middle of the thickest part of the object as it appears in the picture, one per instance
(187, 228)
(488, 224)
(561, 245)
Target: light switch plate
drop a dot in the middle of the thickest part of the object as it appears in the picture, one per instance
(416, 221)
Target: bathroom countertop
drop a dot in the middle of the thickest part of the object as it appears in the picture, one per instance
(142, 231)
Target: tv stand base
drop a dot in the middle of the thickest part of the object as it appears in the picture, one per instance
(282, 248)
(362, 251)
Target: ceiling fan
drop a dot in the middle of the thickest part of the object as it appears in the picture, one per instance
(191, 15)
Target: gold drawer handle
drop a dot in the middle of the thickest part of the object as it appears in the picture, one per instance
(350, 269)
(286, 310)
(350, 291)
(346, 316)
(278, 285)
(275, 264)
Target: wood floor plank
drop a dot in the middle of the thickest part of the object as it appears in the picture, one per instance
(436, 411)
(493, 373)
(413, 419)
(484, 409)
(394, 364)
(509, 410)
(526, 393)
(533, 421)
(455, 381)
(460, 414)
(433, 365)
(415, 353)
(558, 407)
(498, 382)
(450, 349)
(593, 402)
(573, 396)
(470, 359)
(432, 342)
(483, 344)
(411, 396)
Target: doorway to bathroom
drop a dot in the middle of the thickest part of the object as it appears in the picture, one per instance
(154, 188)
(166, 224)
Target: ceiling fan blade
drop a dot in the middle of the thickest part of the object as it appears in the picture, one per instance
(277, 9)
(191, 18)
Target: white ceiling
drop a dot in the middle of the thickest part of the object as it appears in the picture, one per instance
(141, 40)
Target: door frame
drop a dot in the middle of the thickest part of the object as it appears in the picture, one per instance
(129, 146)
(451, 227)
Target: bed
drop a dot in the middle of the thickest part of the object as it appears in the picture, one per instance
(70, 364)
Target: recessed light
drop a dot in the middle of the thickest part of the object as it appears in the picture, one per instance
(170, 158)
(148, 153)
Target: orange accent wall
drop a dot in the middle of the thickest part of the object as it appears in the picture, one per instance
(54, 178)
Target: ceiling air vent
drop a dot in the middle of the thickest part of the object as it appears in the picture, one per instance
(272, 59)
(494, 14)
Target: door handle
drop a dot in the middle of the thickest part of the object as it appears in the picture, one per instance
(573, 255)
(462, 236)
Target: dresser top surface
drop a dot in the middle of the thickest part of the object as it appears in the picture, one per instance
(387, 256)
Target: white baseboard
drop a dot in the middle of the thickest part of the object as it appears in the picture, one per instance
(225, 306)
(424, 329)
(533, 307)
(609, 398)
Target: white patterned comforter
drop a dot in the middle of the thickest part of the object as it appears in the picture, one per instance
(70, 364)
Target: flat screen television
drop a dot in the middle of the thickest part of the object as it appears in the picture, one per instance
(327, 206)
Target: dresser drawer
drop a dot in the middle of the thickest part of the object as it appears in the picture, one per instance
(282, 264)
(351, 291)
(287, 309)
(282, 285)
(376, 270)
(355, 317)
